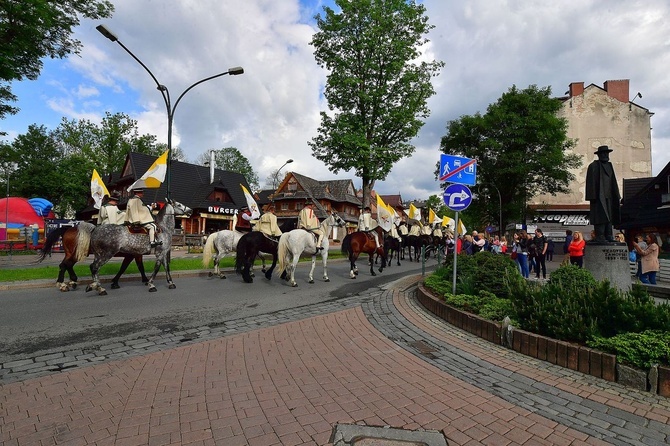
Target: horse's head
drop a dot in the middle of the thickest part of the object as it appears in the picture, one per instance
(337, 220)
(181, 209)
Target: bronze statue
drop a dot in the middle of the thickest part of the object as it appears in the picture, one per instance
(602, 192)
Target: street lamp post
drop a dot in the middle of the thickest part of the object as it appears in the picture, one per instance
(500, 228)
(276, 183)
(166, 95)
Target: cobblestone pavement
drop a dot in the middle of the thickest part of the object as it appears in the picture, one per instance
(288, 378)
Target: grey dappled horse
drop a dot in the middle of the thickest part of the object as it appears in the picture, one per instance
(299, 241)
(107, 240)
(220, 244)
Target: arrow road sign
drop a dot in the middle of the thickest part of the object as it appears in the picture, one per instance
(457, 197)
(458, 169)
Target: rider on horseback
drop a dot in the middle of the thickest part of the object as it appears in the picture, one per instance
(267, 224)
(110, 213)
(244, 220)
(368, 224)
(137, 213)
(308, 221)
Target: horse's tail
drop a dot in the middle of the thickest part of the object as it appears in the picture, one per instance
(84, 231)
(208, 249)
(50, 241)
(346, 244)
(282, 250)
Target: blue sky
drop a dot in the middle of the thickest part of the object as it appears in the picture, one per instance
(271, 111)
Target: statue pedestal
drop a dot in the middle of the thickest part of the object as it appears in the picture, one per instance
(609, 260)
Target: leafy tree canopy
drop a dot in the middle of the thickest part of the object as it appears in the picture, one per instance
(231, 159)
(31, 30)
(376, 87)
(521, 147)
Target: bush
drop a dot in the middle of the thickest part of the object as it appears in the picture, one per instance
(637, 349)
(483, 271)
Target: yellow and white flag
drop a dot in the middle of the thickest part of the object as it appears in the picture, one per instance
(98, 189)
(251, 203)
(413, 213)
(384, 217)
(154, 177)
(451, 223)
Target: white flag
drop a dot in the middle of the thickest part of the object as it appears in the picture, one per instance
(154, 177)
(98, 189)
(251, 203)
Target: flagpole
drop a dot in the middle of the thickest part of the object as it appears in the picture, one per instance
(165, 93)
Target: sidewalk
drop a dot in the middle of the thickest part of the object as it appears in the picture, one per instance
(376, 359)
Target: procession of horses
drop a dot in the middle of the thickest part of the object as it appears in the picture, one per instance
(109, 240)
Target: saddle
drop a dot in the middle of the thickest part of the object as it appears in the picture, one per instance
(137, 228)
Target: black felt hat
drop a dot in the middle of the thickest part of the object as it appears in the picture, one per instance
(602, 149)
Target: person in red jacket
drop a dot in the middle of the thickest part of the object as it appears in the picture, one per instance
(576, 249)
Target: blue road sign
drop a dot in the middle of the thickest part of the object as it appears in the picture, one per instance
(458, 169)
(457, 197)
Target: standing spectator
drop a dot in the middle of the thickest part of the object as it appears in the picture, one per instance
(650, 264)
(576, 249)
(540, 242)
(521, 248)
(550, 250)
(478, 242)
(467, 245)
(566, 244)
(532, 253)
(639, 239)
(503, 244)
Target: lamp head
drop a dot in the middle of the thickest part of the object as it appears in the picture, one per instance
(289, 161)
(235, 71)
(107, 33)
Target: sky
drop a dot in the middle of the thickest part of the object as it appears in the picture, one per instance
(271, 112)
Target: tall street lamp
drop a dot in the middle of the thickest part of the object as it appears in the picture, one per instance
(500, 228)
(276, 182)
(166, 96)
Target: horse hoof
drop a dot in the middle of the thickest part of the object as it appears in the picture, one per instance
(222, 276)
(72, 286)
(102, 293)
(115, 286)
(326, 280)
(88, 288)
(311, 281)
(210, 274)
(373, 274)
(172, 286)
(294, 285)
(152, 289)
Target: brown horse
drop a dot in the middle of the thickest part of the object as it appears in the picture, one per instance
(362, 242)
(76, 251)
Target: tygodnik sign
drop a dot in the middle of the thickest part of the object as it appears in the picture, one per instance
(563, 219)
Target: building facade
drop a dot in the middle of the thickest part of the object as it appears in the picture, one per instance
(597, 116)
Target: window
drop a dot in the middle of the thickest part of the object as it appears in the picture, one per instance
(292, 185)
(284, 206)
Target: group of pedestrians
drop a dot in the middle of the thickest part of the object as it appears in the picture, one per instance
(532, 252)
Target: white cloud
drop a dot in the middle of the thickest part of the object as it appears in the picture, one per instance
(271, 111)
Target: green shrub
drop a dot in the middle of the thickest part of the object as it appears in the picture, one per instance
(483, 271)
(637, 349)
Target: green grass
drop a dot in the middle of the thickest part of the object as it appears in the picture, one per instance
(110, 269)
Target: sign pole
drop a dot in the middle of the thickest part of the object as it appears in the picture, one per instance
(453, 286)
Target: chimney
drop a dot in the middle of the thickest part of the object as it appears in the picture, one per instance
(618, 89)
(576, 88)
(211, 166)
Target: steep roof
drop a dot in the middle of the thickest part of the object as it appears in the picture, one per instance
(189, 183)
(341, 191)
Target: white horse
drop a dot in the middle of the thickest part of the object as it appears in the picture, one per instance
(220, 244)
(299, 241)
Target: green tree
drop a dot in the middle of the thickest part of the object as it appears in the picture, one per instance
(106, 145)
(521, 147)
(231, 159)
(33, 30)
(376, 88)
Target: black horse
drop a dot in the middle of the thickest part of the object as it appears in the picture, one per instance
(392, 246)
(250, 246)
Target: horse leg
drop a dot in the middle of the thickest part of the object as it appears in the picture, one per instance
(157, 267)
(60, 281)
(324, 257)
(95, 268)
(168, 274)
(311, 270)
(294, 264)
(372, 266)
(268, 273)
(353, 272)
(124, 266)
